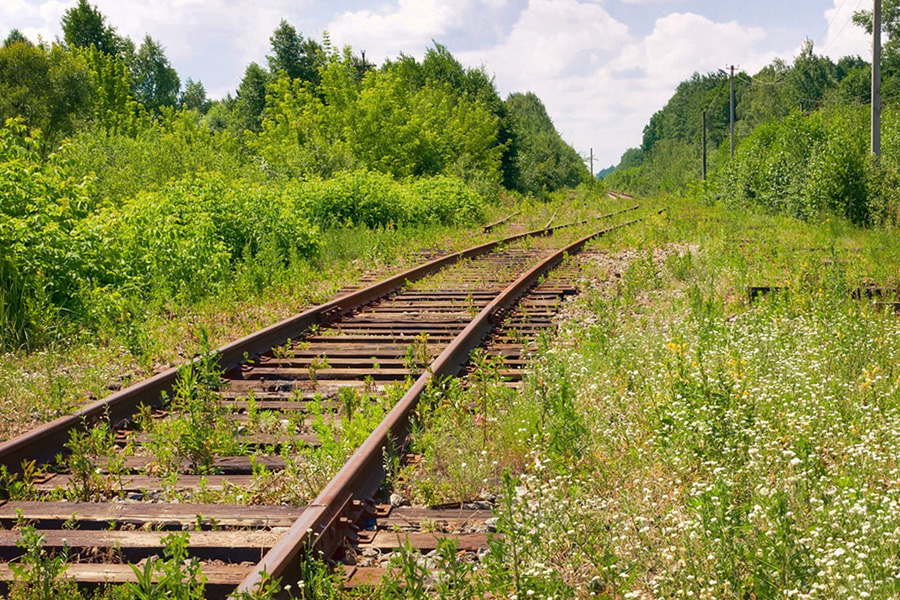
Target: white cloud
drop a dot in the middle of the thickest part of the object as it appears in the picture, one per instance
(554, 39)
(682, 43)
(599, 81)
(13, 13)
(407, 28)
(843, 37)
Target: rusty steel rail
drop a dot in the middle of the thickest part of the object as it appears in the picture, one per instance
(345, 497)
(495, 224)
(44, 442)
(553, 216)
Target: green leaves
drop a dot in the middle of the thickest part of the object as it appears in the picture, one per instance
(546, 163)
(40, 262)
(156, 82)
(383, 122)
(807, 166)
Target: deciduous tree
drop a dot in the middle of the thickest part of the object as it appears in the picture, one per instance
(156, 81)
(85, 26)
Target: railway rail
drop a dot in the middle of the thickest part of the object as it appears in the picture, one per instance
(232, 459)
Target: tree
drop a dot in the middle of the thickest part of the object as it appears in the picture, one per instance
(251, 98)
(440, 67)
(156, 81)
(299, 58)
(633, 157)
(890, 53)
(546, 162)
(193, 97)
(811, 76)
(48, 88)
(680, 119)
(85, 26)
(890, 20)
(767, 98)
(15, 37)
(114, 106)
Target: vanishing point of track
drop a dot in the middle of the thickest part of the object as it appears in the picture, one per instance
(405, 330)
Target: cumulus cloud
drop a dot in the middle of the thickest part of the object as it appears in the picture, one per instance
(409, 26)
(553, 40)
(682, 43)
(600, 82)
(843, 37)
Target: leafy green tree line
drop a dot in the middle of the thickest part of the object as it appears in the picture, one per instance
(802, 132)
(451, 119)
(669, 157)
(124, 189)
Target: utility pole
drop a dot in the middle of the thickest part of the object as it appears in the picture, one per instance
(592, 163)
(731, 78)
(876, 79)
(704, 146)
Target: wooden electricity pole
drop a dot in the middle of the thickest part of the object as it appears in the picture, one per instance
(731, 78)
(704, 146)
(876, 79)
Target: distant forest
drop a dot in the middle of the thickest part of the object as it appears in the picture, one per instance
(801, 131)
(311, 109)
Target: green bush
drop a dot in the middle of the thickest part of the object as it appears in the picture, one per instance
(446, 201)
(353, 198)
(175, 145)
(810, 165)
(377, 200)
(42, 258)
(68, 260)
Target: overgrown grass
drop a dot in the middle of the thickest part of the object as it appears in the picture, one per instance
(136, 339)
(693, 443)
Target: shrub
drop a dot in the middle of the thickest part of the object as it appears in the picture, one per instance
(41, 257)
(354, 198)
(805, 166)
(377, 200)
(445, 200)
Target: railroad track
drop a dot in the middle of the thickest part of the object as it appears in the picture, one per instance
(262, 449)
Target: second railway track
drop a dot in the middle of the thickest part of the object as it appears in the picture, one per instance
(251, 466)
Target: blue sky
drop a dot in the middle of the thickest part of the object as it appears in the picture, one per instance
(602, 67)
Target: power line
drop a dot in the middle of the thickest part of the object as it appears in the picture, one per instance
(754, 81)
(833, 17)
(838, 34)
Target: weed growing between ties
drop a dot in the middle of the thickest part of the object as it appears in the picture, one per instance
(132, 338)
(312, 445)
(40, 575)
(199, 427)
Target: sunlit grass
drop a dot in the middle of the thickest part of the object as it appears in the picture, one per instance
(719, 448)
